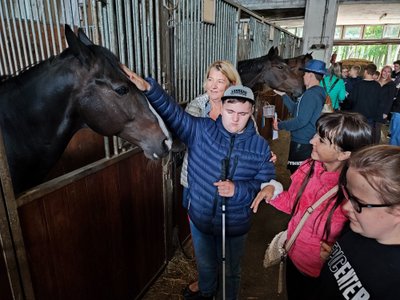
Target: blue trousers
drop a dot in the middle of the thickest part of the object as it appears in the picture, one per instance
(208, 251)
(395, 129)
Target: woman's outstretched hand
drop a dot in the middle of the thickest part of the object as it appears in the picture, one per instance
(265, 194)
(140, 83)
(273, 158)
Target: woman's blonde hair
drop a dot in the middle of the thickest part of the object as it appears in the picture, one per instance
(226, 68)
(387, 79)
(335, 69)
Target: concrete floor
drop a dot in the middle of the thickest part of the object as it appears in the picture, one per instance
(257, 282)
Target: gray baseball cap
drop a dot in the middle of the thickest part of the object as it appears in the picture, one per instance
(239, 92)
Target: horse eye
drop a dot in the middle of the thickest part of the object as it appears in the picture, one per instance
(122, 90)
(280, 67)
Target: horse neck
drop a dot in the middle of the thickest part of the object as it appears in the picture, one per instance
(48, 90)
(43, 96)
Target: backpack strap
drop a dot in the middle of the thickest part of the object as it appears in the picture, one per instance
(333, 85)
(324, 85)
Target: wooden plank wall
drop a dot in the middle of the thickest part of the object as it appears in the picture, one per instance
(101, 237)
(5, 289)
(180, 217)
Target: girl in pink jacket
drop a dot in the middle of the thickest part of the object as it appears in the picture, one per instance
(338, 135)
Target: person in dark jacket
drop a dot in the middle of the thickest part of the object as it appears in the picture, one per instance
(228, 161)
(388, 94)
(395, 111)
(305, 113)
(349, 83)
(396, 72)
(364, 99)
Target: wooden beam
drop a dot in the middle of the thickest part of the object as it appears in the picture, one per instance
(350, 42)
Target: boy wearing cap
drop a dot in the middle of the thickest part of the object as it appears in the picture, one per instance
(305, 112)
(227, 159)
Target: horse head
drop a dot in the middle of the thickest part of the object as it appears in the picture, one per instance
(110, 103)
(271, 70)
(298, 62)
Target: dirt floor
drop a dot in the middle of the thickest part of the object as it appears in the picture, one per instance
(257, 282)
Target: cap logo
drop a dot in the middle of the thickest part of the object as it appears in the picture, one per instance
(239, 92)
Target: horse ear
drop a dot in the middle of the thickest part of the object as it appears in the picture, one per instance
(84, 38)
(78, 48)
(271, 52)
(276, 51)
(69, 35)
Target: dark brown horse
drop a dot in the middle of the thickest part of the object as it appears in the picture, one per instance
(43, 107)
(295, 63)
(270, 70)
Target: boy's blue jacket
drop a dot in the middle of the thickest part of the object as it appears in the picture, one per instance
(209, 143)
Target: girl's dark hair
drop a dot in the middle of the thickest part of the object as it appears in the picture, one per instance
(349, 132)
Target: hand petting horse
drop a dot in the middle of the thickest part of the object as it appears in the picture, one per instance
(43, 107)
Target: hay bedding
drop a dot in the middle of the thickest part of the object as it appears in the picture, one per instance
(179, 271)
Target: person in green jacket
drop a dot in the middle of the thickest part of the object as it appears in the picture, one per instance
(334, 85)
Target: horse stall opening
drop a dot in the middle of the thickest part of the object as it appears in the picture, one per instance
(256, 39)
(103, 223)
(96, 232)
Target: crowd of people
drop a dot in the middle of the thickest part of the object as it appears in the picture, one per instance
(229, 172)
(316, 266)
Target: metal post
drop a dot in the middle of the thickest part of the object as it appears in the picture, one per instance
(11, 235)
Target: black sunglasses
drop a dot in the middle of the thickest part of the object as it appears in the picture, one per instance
(357, 205)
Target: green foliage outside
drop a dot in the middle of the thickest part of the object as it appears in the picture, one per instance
(381, 55)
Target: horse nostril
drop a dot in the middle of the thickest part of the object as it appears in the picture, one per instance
(166, 145)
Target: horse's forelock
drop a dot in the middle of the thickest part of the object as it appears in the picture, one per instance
(107, 54)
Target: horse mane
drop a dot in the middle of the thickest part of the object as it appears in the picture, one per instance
(97, 50)
(35, 65)
(255, 65)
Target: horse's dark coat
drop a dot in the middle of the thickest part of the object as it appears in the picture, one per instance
(271, 70)
(295, 63)
(42, 108)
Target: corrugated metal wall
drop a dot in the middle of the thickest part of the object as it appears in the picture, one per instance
(31, 31)
(196, 43)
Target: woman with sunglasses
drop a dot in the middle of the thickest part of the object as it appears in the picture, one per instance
(365, 262)
(338, 135)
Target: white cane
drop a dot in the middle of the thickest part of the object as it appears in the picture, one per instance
(223, 250)
(223, 178)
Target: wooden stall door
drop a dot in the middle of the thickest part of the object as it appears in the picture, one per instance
(101, 237)
(5, 288)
